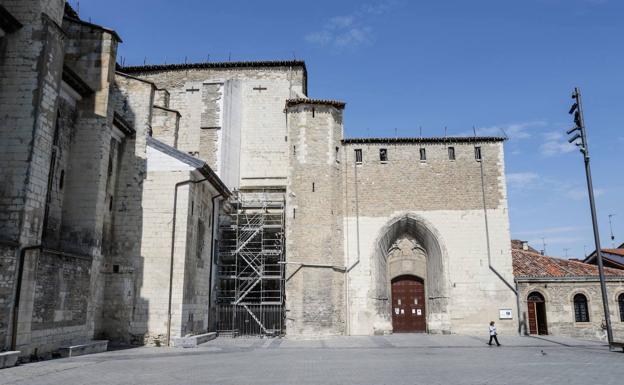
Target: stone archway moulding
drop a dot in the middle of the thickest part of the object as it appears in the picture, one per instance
(437, 283)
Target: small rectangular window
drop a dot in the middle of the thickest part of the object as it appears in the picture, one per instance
(451, 152)
(294, 150)
(313, 189)
(383, 154)
(478, 153)
(337, 154)
(423, 155)
(358, 156)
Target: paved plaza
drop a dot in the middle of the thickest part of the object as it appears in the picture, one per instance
(395, 359)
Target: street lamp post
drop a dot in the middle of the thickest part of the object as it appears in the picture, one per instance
(580, 139)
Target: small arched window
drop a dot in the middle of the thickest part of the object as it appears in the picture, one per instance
(581, 313)
(621, 306)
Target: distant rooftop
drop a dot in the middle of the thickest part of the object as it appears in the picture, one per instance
(534, 265)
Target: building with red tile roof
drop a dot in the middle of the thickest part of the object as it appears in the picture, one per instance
(562, 297)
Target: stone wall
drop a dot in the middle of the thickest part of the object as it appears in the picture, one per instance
(123, 264)
(314, 233)
(191, 265)
(61, 301)
(31, 67)
(198, 263)
(91, 53)
(59, 166)
(439, 202)
(198, 95)
(8, 271)
(165, 125)
(559, 305)
(30, 78)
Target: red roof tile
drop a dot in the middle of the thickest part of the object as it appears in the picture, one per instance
(614, 251)
(529, 264)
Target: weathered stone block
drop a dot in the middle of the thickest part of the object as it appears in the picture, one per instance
(192, 341)
(8, 359)
(80, 350)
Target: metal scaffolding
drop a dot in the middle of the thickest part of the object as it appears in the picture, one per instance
(250, 299)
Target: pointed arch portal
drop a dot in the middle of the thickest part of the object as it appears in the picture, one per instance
(409, 261)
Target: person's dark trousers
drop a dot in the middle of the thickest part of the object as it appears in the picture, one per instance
(495, 339)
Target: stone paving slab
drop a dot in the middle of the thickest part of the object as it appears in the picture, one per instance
(395, 359)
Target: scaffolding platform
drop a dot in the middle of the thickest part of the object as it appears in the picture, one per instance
(250, 299)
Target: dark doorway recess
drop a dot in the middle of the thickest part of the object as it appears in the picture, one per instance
(537, 314)
(408, 305)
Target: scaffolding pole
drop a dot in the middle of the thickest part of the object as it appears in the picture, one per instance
(250, 299)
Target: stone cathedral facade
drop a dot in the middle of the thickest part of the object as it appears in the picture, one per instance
(145, 202)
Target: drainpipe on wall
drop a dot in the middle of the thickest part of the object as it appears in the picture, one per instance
(487, 233)
(357, 237)
(215, 213)
(518, 309)
(173, 229)
(18, 291)
(487, 237)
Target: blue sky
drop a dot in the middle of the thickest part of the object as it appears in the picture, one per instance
(402, 64)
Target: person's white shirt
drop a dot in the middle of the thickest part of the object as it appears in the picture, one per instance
(492, 330)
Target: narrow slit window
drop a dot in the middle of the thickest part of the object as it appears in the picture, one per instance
(55, 138)
(358, 156)
(294, 150)
(423, 155)
(313, 188)
(451, 153)
(383, 155)
(62, 180)
(337, 154)
(478, 155)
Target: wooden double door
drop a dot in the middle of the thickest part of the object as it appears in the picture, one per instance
(408, 305)
(537, 314)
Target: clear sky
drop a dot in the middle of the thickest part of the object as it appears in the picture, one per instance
(403, 64)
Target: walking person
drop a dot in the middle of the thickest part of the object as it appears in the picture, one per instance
(493, 334)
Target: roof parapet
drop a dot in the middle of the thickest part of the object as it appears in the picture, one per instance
(442, 139)
(321, 102)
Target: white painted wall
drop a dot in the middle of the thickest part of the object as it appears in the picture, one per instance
(476, 293)
(230, 134)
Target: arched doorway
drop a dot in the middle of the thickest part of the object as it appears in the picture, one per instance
(408, 245)
(537, 314)
(408, 305)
